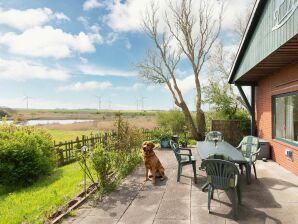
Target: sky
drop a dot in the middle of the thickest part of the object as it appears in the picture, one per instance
(71, 53)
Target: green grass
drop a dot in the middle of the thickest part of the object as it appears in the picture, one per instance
(62, 135)
(33, 204)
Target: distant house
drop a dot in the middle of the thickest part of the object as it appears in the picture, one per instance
(267, 60)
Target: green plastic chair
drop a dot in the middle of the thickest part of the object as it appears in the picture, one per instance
(249, 147)
(183, 159)
(214, 135)
(223, 175)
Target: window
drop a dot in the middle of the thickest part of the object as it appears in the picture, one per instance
(285, 117)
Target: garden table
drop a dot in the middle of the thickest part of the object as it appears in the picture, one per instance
(206, 148)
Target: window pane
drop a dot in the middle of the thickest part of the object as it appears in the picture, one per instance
(286, 117)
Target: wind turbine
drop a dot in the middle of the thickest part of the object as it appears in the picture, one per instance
(142, 102)
(26, 97)
(99, 101)
(137, 103)
(110, 103)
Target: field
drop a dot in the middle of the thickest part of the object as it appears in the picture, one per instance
(101, 121)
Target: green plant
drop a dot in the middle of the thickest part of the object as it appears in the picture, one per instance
(173, 120)
(26, 154)
(118, 156)
(161, 134)
(104, 163)
(184, 138)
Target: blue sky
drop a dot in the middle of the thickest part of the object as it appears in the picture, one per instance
(63, 54)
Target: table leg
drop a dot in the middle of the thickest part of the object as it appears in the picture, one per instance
(247, 171)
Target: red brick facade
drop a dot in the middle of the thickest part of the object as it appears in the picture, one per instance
(283, 81)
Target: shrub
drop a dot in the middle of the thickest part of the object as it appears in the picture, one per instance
(26, 153)
(104, 163)
(173, 120)
(161, 134)
(118, 156)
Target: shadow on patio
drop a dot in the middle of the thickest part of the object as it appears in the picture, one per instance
(272, 198)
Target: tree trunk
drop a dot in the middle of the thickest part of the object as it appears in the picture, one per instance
(189, 121)
(201, 124)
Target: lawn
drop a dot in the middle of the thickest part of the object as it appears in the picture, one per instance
(63, 135)
(33, 204)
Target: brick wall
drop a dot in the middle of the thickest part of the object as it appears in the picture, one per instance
(283, 81)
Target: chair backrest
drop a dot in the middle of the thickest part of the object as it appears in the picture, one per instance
(249, 145)
(176, 150)
(214, 135)
(219, 156)
(221, 174)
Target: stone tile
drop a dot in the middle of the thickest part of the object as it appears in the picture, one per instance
(201, 215)
(178, 191)
(272, 198)
(170, 221)
(199, 199)
(174, 209)
(287, 214)
(143, 209)
(97, 220)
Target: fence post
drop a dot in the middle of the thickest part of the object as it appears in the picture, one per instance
(60, 160)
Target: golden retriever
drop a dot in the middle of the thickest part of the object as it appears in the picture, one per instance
(152, 162)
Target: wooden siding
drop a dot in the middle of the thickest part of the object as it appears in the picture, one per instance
(264, 41)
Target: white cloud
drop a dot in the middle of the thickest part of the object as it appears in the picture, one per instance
(111, 38)
(83, 60)
(29, 18)
(96, 70)
(61, 16)
(49, 42)
(127, 44)
(188, 83)
(91, 4)
(24, 70)
(127, 15)
(83, 86)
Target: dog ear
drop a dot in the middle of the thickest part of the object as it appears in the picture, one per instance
(151, 145)
(144, 143)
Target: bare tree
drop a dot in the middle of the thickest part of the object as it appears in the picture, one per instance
(241, 21)
(193, 34)
(218, 90)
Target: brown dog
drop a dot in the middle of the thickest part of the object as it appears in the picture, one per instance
(152, 163)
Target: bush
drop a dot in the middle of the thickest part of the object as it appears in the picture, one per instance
(26, 153)
(118, 156)
(161, 134)
(173, 120)
(104, 163)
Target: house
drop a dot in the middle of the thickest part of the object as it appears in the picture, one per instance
(267, 61)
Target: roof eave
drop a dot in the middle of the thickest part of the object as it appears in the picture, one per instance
(253, 21)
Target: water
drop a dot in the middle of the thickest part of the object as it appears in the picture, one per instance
(45, 122)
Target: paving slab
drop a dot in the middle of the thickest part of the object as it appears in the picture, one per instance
(272, 198)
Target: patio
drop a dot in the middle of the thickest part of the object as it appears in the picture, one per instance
(272, 198)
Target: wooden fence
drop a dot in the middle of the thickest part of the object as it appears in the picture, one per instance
(67, 152)
(232, 130)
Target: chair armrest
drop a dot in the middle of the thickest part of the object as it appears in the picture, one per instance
(256, 153)
(239, 146)
(185, 149)
(183, 154)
